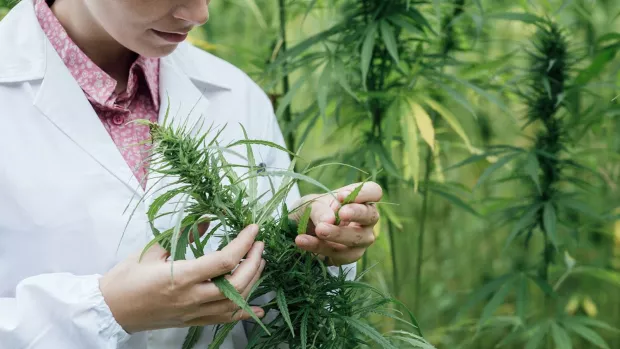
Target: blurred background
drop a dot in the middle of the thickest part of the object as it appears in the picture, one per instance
(493, 127)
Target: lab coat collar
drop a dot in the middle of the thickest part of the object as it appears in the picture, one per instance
(27, 55)
(23, 56)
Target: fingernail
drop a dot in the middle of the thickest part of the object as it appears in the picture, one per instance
(253, 229)
(260, 313)
(303, 240)
(345, 194)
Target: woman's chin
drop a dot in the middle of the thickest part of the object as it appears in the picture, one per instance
(156, 50)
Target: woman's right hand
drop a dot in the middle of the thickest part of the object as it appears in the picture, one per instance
(143, 295)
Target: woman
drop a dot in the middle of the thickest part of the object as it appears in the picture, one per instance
(73, 75)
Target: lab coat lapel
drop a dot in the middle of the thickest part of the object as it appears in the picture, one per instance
(63, 102)
(180, 98)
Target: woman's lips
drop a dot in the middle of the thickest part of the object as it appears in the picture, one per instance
(171, 37)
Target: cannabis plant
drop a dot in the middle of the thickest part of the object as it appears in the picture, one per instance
(545, 211)
(377, 78)
(314, 308)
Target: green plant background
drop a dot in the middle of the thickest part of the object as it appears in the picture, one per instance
(380, 82)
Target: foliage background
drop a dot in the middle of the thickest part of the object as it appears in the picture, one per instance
(442, 241)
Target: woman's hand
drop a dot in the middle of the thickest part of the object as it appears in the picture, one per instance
(143, 295)
(347, 242)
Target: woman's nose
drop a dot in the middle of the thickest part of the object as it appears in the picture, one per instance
(195, 12)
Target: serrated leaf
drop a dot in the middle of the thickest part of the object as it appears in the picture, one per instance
(596, 67)
(560, 337)
(531, 169)
(304, 220)
(497, 165)
(536, 339)
(585, 321)
(455, 200)
(389, 39)
(351, 197)
(550, 223)
(221, 334)
(301, 177)
(193, 335)
(231, 293)
(588, 335)
(482, 92)
(348, 200)
(283, 307)
(177, 233)
(370, 332)
(418, 17)
(543, 286)
(413, 340)
(451, 119)
(162, 237)
(368, 49)
(484, 292)
(341, 75)
(609, 276)
(304, 330)
(522, 296)
(424, 123)
(526, 220)
(412, 149)
(253, 185)
(260, 142)
(495, 302)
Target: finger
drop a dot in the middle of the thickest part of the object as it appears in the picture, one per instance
(315, 245)
(219, 262)
(336, 254)
(249, 268)
(223, 306)
(225, 318)
(359, 213)
(349, 236)
(371, 192)
(323, 211)
(240, 279)
(257, 277)
(226, 305)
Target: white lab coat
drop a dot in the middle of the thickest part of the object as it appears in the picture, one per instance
(64, 187)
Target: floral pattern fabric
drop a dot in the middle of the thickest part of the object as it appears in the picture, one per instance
(140, 100)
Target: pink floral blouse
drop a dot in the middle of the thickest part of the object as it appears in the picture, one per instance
(139, 101)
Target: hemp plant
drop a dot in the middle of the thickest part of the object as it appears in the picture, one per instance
(313, 307)
(542, 215)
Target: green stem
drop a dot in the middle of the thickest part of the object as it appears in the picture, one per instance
(420, 259)
(286, 85)
(390, 232)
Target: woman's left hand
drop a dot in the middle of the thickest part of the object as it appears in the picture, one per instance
(347, 242)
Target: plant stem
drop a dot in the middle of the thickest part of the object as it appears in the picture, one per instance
(286, 85)
(420, 259)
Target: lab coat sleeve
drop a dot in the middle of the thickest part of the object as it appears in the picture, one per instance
(59, 310)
